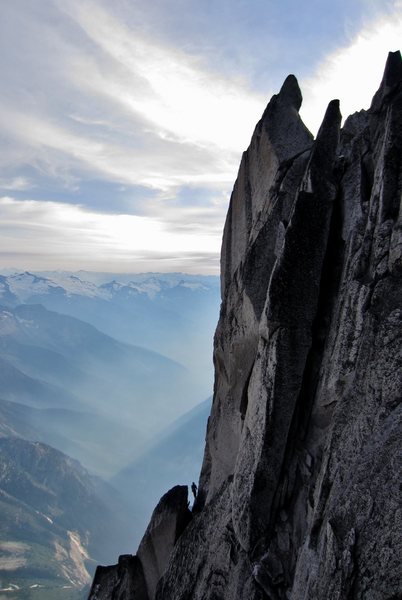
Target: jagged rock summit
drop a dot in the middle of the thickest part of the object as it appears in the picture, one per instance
(299, 494)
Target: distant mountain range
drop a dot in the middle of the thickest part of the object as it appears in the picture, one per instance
(99, 441)
(162, 312)
(50, 535)
(52, 360)
(58, 521)
(90, 369)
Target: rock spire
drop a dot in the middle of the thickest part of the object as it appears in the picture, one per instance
(299, 495)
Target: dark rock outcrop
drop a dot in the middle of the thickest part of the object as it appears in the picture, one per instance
(168, 521)
(299, 494)
(124, 581)
(136, 577)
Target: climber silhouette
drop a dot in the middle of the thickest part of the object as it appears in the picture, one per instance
(194, 490)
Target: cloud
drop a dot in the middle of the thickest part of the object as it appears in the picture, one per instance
(54, 235)
(97, 102)
(122, 106)
(155, 162)
(166, 86)
(353, 73)
(17, 184)
(141, 111)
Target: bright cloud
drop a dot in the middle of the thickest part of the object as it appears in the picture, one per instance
(159, 163)
(353, 73)
(168, 87)
(61, 235)
(124, 108)
(103, 109)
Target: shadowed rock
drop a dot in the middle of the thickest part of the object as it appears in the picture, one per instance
(391, 80)
(272, 144)
(124, 581)
(136, 577)
(299, 494)
(168, 521)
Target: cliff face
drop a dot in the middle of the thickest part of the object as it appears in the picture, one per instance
(298, 495)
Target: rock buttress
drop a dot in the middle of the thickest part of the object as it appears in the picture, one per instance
(124, 581)
(136, 577)
(298, 494)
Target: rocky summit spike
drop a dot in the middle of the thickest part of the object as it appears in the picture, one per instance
(290, 92)
(392, 78)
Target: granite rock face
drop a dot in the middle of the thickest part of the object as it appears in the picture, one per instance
(299, 494)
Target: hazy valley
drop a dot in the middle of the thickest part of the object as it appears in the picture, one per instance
(94, 427)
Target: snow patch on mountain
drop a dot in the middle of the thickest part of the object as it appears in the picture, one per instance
(26, 287)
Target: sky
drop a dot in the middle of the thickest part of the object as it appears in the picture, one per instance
(122, 123)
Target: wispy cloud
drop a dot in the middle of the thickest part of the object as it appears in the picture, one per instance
(50, 234)
(166, 86)
(143, 113)
(124, 112)
(153, 161)
(17, 184)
